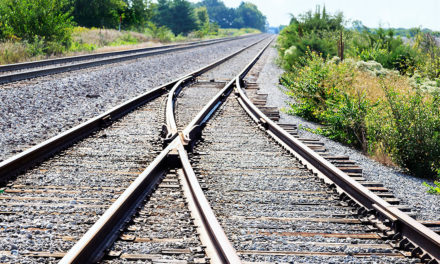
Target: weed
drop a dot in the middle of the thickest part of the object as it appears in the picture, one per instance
(433, 189)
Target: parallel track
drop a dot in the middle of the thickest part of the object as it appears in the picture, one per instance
(21, 71)
(275, 205)
(73, 184)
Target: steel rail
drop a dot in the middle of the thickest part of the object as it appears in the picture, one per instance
(91, 246)
(81, 65)
(169, 130)
(223, 250)
(193, 130)
(41, 63)
(47, 148)
(423, 237)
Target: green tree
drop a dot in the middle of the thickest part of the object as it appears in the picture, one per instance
(248, 15)
(178, 15)
(98, 13)
(32, 20)
(219, 13)
(137, 13)
(162, 14)
(202, 17)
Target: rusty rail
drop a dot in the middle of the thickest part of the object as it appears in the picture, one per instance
(41, 63)
(194, 128)
(169, 130)
(91, 246)
(424, 239)
(101, 235)
(123, 56)
(41, 151)
(223, 250)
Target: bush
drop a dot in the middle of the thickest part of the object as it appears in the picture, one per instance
(77, 46)
(163, 34)
(429, 63)
(44, 20)
(413, 138)
(125, 39)
(317, 32)
(373, 113)
(370, 104)
(382, 46)
(323, 94)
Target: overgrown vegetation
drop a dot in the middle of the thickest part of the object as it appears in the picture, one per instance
(42, 28)
(383, 98)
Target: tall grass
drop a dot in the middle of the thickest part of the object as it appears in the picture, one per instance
(11, 52)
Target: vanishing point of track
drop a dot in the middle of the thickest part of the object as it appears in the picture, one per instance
(248, 190)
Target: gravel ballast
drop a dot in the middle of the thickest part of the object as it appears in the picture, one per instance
(38, 109)
(270, 206)
(405, 187)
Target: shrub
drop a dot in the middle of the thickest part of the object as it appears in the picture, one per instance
(125, 39)
(377, 113)
(370, 104)
(322, 93)
(413, 138)
(163, 34)
(46, 20)
(384, 47)
(429, 64)
(77, 46)
(316, 31)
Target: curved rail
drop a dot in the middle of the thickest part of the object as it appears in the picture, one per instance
(169, 130)
(123, 56)
(91, 246)
(424, 239)
(193, 130)
(41, 151)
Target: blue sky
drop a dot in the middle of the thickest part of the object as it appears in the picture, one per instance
(388, 13)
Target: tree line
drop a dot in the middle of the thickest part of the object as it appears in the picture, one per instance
(246, 15)
(51, 19)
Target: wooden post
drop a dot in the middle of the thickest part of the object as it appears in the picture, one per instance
(341, 47)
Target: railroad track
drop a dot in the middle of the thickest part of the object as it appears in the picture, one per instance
(269, 196)
(27, 70)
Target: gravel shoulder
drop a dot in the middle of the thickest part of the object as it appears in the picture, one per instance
(405, 187)
(37, 109)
